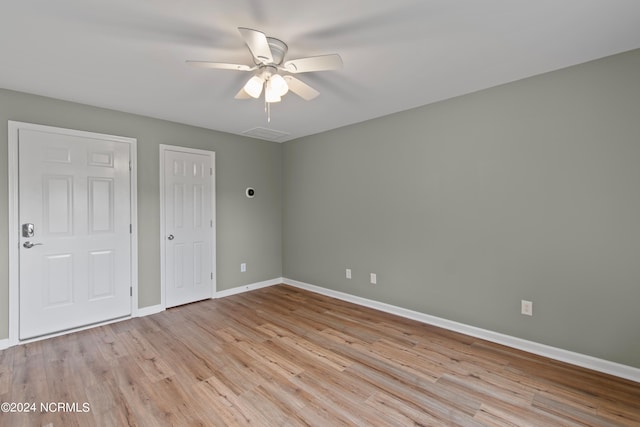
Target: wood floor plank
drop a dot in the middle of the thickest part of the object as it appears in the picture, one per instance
(186, 359)
(341, 403)
(622, 414)
(270, 359)
(476, 388)
(224, 402)
(107, 343)
(506, 416)
(282, 356)
(570, 411)
(175, 402)
(400, 413)
(5, 380)
(145, 356)
(316, 353)
(245, 373)
(265, 411)
(131, 391)
(436, 401)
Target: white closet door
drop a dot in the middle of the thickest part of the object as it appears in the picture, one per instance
(188, 224)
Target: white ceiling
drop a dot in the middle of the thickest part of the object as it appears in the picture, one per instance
(129, 55)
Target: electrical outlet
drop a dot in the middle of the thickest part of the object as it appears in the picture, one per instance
(526, 308)
(243, 267)
(374, 278)
(348, 273)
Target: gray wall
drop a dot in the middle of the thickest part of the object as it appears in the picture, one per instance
(530, 190)
(247, 230)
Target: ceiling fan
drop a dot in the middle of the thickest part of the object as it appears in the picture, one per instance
(268, 56)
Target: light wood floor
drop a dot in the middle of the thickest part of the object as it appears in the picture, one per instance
(282, 356)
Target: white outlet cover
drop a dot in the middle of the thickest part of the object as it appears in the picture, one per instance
(243, 267)
(348, 273)
(374, 278)
(526, 307)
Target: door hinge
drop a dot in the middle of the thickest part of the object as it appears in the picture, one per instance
(131, 291)
(211, 276)
(211, 223)
(130, 167)
(211, 171)
(130, 228)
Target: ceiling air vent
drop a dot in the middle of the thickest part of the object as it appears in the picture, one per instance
(267, 134)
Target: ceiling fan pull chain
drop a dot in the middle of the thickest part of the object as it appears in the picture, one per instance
(267, 109)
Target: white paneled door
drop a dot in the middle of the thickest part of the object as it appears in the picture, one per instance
(75, 238)
(188, 226)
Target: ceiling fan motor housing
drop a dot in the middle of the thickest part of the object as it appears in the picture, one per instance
(278, 50)
(266, 71)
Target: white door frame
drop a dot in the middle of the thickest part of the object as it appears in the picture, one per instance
(163, 149)
(14, 221)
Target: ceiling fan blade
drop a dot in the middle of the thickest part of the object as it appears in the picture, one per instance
(258, 45)
(314, 63)
(220, 65)
(242, 94)
(300, 88)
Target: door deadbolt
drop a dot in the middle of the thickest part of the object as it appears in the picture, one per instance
(170, 237)
(28, 230)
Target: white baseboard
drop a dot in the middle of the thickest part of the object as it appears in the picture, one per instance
(247, 288)
(148, 311)
(4, 344)
(585, 361)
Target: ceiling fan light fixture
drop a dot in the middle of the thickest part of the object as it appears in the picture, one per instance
(278, 84)
(254, 86)
(270, 95)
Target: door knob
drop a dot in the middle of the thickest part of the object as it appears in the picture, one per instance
(170, 237)
(29, 245)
